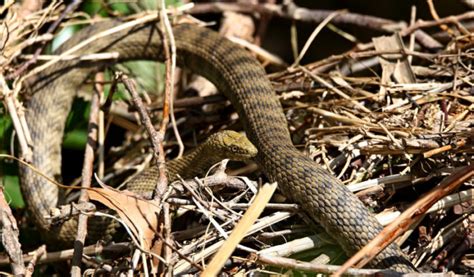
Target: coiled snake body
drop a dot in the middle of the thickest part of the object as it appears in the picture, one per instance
(242, 79)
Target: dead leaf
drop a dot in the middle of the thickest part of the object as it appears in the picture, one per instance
(138, 214)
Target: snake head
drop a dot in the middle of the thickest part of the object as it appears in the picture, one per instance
(231, 145)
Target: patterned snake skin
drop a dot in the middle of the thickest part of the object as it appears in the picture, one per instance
(241, 78)
(222, 145)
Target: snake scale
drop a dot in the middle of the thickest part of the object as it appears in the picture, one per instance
(238, 75)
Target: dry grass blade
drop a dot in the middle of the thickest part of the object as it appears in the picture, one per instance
(250, 216)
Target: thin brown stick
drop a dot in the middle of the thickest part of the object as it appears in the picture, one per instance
(167, 251)
(38, 253)
(99, 77)
(155, 137)
(10, 235)
(178, 252)
(444, 148)
(445, 20)
(435, 16)
(263, 25)
(294, 12)
(87, 170)
(169, 46)
(411, 44)
(64, 255)
(160, 188)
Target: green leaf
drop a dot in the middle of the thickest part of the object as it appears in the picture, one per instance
(13, 192)
(76, 139)
(75, 135)
(93, 7)
(6, 128)
(122, 8)
(145, 73)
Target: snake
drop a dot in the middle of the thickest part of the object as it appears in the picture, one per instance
(242, 79)
(222, 145)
